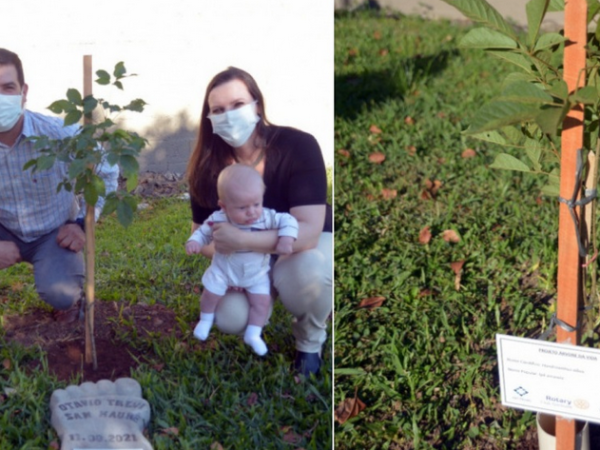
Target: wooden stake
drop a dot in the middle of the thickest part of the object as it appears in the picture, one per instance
(569, 262)
(90, 239)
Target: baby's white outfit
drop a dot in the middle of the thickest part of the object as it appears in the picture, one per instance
(245, 269)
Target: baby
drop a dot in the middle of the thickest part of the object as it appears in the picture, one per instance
(240, 189)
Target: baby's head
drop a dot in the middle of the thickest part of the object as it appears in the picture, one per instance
(241, 190)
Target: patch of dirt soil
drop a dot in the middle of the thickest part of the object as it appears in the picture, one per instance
(156, 185)
(120, 331)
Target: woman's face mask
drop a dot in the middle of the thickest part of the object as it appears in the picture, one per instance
(235, 126)
(10, 111)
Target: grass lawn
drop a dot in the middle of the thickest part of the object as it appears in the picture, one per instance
(227, 396)
(423, 359)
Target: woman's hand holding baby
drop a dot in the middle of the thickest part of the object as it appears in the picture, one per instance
(227, 238)
(284, 245)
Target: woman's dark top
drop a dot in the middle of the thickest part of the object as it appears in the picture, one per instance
(294, 175)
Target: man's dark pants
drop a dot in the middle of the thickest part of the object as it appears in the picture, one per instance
(58, 272)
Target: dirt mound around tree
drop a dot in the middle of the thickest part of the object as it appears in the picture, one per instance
(122, 336)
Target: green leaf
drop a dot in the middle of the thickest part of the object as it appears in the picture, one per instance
(498, 114)
(550, 118)
(587, 95)
(89, 104)
(120, 70)
(482, 12)
(559, 89)
(593, 9)
(103, 77)
(45, 162)
(536, 10)
(129, 165)
(80, 183)
(30, 163)
(504, 161)
(486, 38)
(524, 92)
(132, 181)
(548, 40)
(76, 168)
(552, 187)
(118, 84)
(124, 213)
(136, 105)
(73, 117)
(513, 134)
(98, 183)
(514, 77)
(491, 136)
(59, 106)
(514, 58)
(533, 150)
(90, 194)
(556, 5)
(110, 205)
(74, 96)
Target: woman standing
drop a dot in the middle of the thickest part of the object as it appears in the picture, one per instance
(234, 130)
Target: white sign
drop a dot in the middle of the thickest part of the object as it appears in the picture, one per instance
(557, 379)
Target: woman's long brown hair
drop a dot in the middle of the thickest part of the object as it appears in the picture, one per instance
(211, 154)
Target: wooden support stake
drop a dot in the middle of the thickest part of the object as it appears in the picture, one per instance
(90, 224)
(569, 262)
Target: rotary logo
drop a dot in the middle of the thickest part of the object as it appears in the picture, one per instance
(581, 403)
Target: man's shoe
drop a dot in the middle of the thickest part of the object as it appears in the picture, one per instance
(69, 315)
(307, 363)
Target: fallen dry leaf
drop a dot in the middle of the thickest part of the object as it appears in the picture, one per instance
(425, 235)
(389, 194)
(457, 268)
(216, 446)
(171, 430)
(349, 408)
(383, 52)
(371, 302)
(441, 115)
(159, 367)
(426, 292)
(431, 189)
(450, 236)
(7, 364)
(377, 35)
(291, 437)
(353, 52)
(469, 153)
(409, 120)
(344, 152)
(377, 157)
(375, 129)
(412, 150)
(433, 186)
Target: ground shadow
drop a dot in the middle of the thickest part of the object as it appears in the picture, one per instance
(354, 91)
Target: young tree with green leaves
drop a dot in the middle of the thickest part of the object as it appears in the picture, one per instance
(99, 141)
